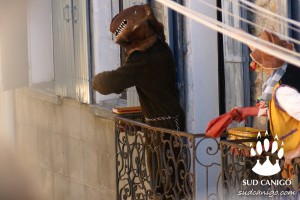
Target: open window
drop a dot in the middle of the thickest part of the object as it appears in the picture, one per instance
(106, 55)
(129, 94)
(174, 35)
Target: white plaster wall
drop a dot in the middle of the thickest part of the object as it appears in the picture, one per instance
(202, 93)
(1, 65)
(201, 71)
(7, 112)
(13, 36)
(40, 41)
(106, 54)
(7, 117)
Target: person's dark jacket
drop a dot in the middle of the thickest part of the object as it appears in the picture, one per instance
(291, 77)
(153, 74)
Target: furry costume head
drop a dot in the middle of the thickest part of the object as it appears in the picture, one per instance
(136, 28)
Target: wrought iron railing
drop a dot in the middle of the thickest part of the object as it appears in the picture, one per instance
(240, 182)
(156, 163)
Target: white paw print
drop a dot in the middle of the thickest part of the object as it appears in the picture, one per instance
(267, 168)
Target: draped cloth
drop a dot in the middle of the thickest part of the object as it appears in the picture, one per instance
(218, 125)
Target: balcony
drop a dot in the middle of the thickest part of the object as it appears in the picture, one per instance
(156, 163)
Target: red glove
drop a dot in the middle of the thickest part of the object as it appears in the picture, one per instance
(218, 125)
(245, 112)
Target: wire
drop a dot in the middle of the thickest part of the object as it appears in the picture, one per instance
(250, 22)
(269, 12)
(266, 16)
(274, 50)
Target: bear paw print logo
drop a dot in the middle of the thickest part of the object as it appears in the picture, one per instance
(267, 168)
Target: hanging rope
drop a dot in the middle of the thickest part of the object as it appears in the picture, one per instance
(258, 13)
(252, 23)
(269, 13)
(265, 15)
(242, 36)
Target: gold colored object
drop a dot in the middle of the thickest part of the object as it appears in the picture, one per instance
(242, 133)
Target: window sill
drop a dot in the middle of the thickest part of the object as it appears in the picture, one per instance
(46, 92)
(43, 91)
(104, 108)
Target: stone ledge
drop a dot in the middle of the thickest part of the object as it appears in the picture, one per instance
(101, 111)
(104, 108)
(43, 91)
(46, 92)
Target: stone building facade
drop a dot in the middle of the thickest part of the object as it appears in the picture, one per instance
(69, 148)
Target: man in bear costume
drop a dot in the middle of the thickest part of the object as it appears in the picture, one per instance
(150, 67)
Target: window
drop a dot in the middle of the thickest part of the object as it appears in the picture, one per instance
(71, 49)
(113, 56)
(162, 15)
(131, 93)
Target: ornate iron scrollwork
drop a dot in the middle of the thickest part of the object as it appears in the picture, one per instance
(155, 163)
(237, 167)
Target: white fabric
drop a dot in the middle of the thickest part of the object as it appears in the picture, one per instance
(289, 99)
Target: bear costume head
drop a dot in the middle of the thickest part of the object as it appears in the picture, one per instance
(136, 28)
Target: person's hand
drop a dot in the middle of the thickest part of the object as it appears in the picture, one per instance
(289, 156)
(262, 104)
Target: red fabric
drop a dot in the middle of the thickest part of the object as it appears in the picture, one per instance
(218, 125)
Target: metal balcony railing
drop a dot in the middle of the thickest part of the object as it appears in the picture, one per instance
(240, 182)
(156, 163)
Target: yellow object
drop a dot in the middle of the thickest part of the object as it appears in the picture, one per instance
(241, 133)
(286, 127)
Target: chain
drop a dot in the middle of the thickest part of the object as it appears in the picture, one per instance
(177, 124)
(159, 118)
(164, 118)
